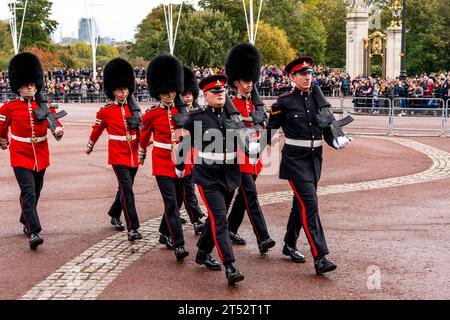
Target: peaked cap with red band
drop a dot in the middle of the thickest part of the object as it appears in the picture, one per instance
(301, 64)
(216, 83)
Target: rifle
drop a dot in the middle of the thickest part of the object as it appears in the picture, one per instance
(236, 123)
(134, 121)
(44, 113)
(259, 115)
(325, 118)
(181, 117)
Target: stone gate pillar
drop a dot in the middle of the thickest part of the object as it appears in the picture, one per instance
(357, 31)
(393, 51)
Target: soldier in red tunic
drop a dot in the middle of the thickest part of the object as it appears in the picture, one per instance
(165, 82)
(29, 146)
(243, 69)
(120, 122)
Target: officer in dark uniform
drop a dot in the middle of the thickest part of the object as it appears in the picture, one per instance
(243, 69)
(118, 119)
(190, 96)
(216, 172)
(301, 162)
(30, 156)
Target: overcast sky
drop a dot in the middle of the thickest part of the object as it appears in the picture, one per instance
(116, 18)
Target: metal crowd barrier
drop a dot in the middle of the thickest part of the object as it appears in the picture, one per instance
(372, 116)
(77, 97)
(447, 114)
(431, 112)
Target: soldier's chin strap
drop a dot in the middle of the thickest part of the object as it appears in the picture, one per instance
(134, 121)
(44, 113)
(325, 119)
(182, 116)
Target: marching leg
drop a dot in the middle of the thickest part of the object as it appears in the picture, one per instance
(27, 184)
(255, 214)
(191, 204)
(216, 204)
(168, 188)
(125, 180)
(235, 219)
(306, 194)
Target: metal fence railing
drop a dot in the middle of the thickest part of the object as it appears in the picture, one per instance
(76, 97)
(431, 113)
(364, 111)
(373, 115)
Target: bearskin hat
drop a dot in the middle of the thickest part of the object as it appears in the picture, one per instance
(25, 68)
(118, 73)
(243, 63)
(191, 83)
(165, 74)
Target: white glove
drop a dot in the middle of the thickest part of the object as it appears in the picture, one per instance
(253, 160)
(179, 173)
(341, 142)
(254, 148)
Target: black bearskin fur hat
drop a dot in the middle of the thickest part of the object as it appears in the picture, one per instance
(165, 74)
(118, 73)
(244, 63)
(191, 83)
(25, 68)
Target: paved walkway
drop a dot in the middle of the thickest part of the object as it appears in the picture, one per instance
(89, 274)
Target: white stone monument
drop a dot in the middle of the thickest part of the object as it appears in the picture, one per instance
(357, 31)
(394, 42)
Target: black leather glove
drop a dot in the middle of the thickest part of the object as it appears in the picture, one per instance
(134, 121)
(259, 118)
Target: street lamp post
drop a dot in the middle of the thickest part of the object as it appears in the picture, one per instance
(403, 51)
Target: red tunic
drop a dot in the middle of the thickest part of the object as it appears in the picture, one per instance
(112, 117)
(158, 121)
(18, 114)
(245, 107)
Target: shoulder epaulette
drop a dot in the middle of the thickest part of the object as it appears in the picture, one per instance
(11, 100)
(197, 110)
(107, 105)
(286, 95)
(151, 108)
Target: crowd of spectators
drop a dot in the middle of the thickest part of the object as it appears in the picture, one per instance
(69, 85)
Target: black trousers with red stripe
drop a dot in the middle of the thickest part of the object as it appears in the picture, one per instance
(247, 200)
(116, 209)
(305, 213)
(30, 183)
(215, 232)
(172, 193)
(125, 177)
(190, 200)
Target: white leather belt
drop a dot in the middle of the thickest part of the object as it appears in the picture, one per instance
(29, 140)
(123, 138)
(217, 156)
(304, 143)
(166, 146)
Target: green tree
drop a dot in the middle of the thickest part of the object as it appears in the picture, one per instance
(233, 10)
(205, 39)
(151, 36)
(37, 26)
(427, 39)
(6, 48)
(332, 13)
(310, 38)
(274, 45)
(106, 53)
